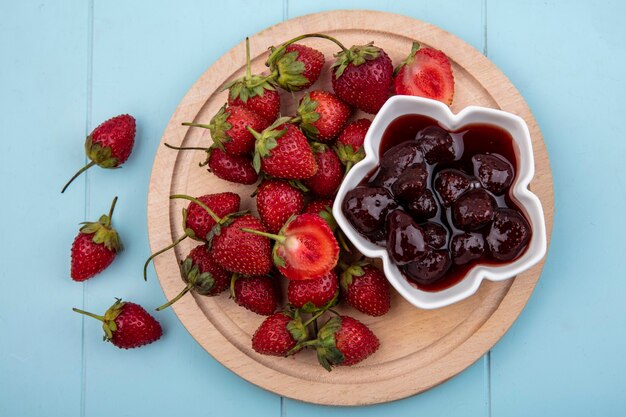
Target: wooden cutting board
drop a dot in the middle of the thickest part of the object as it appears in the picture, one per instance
(419, 349)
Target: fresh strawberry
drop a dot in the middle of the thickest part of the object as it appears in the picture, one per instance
(254, 92)
(198, 223)
(241, 252)
(319, 206)
(279, 334)
(312, 294)
(201, 274)
(322, 115)
(94, 247)
(257, 293)
(305, 248)
(362, 77)
(276, 202)
(324, 209)
(282, 151)
(295, 67)
(366, 289)
(127, 325)
(329, 174)
(426, 73)
(109, 145)
(344, 341)
(349, 146)
(229, 129)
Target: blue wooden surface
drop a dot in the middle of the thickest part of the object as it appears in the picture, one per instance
(66, 65)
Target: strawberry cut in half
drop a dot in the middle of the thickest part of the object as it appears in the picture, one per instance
(305, 248)
(425, 73)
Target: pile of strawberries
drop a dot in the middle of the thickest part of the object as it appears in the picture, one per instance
(300, 161)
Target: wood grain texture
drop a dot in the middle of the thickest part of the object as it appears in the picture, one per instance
(420, 349)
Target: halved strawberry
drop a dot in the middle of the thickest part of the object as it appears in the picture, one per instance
(305, 248)
(426, 73)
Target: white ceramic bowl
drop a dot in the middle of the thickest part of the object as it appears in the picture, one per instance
(529, 203)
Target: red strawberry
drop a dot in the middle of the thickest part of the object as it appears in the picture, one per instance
(254, 92)
(282, 151)
(276, 202)
(257, 293)
(198, 223)
(94, 247)
(313, 293)
(229, 129)
(344, 341)
(319, 206)
(109, 145)
(279, 334)
(242, 252)
(305, 248)
(366, 289)
(349, 144)
(329, 174)
(322, 115)
(324, 209)
(201, 274)
(295, 66)
(362, 76)
(127, 325)
(426, 73)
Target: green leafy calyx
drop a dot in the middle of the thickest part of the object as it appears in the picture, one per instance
(357, 55)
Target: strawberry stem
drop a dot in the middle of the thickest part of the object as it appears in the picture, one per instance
(190, 148)
(248, 70)
(278, 238)
(178, 297)
(298, 38)
(80, 171)
(198, 202)
(86, 313)
(108, 222)
(314, 318)
(157, 253)
(196, 125)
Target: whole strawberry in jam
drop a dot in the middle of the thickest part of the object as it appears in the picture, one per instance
(493, 171)
(295, 66)
(109, 145)
(509, 234)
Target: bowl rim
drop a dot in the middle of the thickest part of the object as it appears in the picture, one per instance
(398, 106)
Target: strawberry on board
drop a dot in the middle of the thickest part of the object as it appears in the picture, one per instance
(201, 274)
(95, 247)
(305, 248)
(329, 173)
(349, 146)
(279, 334)
(258, 294)
(426, 72)
(312, 294)
(322, 115)
(201, 217)
(366, 288)
(276, 202)
(109, 145)
(282, 151)
(127, 325)
(295, 66)
(254, 92)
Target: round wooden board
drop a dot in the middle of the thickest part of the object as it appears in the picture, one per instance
(419, 349)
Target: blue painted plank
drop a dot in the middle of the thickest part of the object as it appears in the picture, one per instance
(144, 62)
(565, 356)
(42, 129)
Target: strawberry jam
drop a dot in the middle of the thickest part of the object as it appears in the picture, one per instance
(440, 202)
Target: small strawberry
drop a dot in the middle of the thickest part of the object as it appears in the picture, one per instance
(329, 174)
(198, 222)
(349, 146)
(201, 274)
(312, 294)
(127, 325)
(305, 248)
(319, 206)
(362, 76)
(254, 92)
(344, 341)
(426, 73)
(109, 145)
(229, 129)
(276, 202)
(279, 334)
(256, 293)
(322, 115)
(366, 289)
(282, 151)
(295, 66)
(95, 247)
